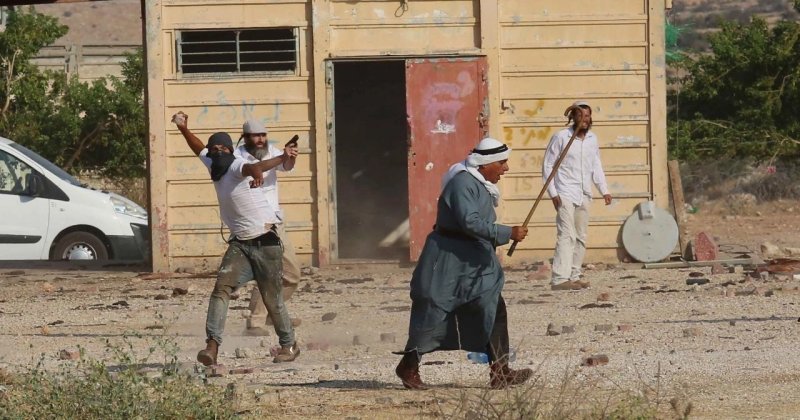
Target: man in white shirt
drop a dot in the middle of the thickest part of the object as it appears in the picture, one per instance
(256, 148)
(254, 250)
(571, 192)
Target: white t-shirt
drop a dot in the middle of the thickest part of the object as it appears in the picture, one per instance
(580, 168)
(246, 211)
(270, 185)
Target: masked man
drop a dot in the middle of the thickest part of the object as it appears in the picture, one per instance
(254, 250)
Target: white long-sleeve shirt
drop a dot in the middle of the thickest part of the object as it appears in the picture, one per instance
(580, 168)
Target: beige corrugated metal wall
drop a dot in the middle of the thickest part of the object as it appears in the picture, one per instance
(542, 55)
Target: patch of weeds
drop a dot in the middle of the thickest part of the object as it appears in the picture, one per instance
(579, 393)
(129, 387)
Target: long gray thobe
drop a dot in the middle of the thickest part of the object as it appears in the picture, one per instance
(456, 285)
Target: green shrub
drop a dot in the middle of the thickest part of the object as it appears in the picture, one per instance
(130, 388)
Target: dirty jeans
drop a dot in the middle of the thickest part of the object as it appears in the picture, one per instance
(241, 263)
(572, 223)
(290, 277)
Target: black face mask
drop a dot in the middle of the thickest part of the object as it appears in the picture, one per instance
(220, 162)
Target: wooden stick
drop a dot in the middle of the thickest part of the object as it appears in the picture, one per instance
(678, 203)
(547, 182)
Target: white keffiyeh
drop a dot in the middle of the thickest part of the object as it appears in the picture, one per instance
(488, 151)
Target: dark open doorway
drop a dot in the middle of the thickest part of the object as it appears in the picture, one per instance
(371, 159)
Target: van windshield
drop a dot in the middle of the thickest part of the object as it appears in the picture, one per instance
(50, 166)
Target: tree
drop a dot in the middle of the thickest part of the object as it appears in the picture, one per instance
(742, 99)
(77, 125)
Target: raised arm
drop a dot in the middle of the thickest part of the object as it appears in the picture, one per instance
(181, 121)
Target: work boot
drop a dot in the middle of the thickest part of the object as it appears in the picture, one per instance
(287, 354)
(568, 285)
(408, 371)
(208, 356)
(501, 376)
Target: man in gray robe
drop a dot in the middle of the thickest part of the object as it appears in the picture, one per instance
(455, 288)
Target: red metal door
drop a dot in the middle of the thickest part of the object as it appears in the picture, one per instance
(447, 115)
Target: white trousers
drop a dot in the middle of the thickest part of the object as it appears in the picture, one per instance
(572, 223)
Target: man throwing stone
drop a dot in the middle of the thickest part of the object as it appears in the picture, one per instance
(254, 250)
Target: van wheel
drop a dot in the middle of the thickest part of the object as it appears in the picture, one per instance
(80, 246)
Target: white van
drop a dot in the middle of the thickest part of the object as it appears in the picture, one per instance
(45, 213)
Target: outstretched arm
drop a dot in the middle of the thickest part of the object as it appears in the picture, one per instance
(181, 121)
(256, 170)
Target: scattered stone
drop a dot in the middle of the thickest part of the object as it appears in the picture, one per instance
(69, 354)
(604, 297)
(542, 272)
(770, 250)
(357, 340)
(531, 302)
(243, 353)
(696, 274)
(554, 329)
(603, 327)
(47, 287)
(730, 292)
(44, 330)
(697, 312)
(179, 291)
(567, 329)
(764, 291)
(241, 371)
(705, 249)
(624, 327)
(161, 297)
(58, 322)
(154, 327)
(119, 304)
(791, 252)
(309, 271)
(329, 316)
(718, 269)
(696, 281)
(435, 362)
(597, 305)
(14, 273)
(732, 323)
(595, 360)
(355, 280)
(387, 338)
(692, 332)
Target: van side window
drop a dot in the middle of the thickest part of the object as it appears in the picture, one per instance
(14, 175)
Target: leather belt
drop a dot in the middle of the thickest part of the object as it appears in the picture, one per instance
(268, 239)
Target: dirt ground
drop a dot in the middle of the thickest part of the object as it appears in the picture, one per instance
(728, 347)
